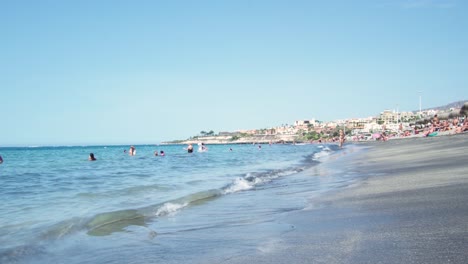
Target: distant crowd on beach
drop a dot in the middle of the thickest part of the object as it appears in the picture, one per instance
(433, 127)
(454, 125)
(436, 126)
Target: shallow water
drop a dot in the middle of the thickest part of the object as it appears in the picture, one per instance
(204, 206)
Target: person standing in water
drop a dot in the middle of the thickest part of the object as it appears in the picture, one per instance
(342, 138)
(1, 160)
(132, 151)
(190, 148)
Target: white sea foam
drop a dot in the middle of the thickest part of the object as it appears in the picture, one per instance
(250, 181)
(325, 152)
(287, 172)
(239, 184)
(169, 208)
(270, 245)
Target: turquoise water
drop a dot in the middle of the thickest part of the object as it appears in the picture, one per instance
(59, 207)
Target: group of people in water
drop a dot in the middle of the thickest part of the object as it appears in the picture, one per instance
(201, 147)
(132, 151)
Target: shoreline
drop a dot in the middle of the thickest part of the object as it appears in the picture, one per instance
(221, 140)
(410, 207)
(288, 139)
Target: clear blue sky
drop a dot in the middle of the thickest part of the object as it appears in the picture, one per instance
(130, 72)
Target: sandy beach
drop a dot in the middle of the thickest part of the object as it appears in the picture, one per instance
(411, 207)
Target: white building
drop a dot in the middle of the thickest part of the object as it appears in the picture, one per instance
(371, 127)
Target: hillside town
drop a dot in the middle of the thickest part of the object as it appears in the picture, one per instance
(388, 124)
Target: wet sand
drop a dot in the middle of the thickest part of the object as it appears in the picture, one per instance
(410, 207)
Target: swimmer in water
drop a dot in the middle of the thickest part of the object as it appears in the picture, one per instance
(161, 153)
(91, 157)
(202, 147)
(1, 160)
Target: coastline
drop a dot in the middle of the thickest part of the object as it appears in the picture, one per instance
(288, 139)
(221, 140)
(410, 207)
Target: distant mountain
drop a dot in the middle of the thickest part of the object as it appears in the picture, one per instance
(457, 104)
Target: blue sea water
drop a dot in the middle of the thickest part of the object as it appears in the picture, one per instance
(201, 207)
